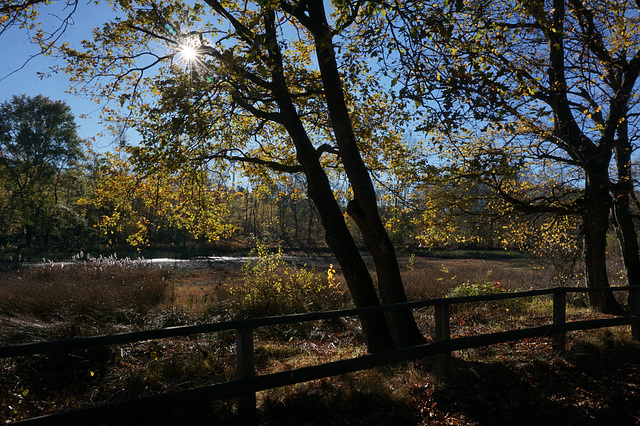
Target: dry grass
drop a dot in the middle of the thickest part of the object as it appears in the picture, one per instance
(428, 278)
(50, 302)
(67, 300)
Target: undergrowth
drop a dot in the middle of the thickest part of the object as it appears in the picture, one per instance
(271, 286)
(480, 310)
(99, 295)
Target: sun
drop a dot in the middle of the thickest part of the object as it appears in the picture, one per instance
(188, 53)
(188, 50)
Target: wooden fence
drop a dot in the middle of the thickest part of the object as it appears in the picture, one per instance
(247, 384)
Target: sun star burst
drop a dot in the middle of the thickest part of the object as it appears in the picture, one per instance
(188, 53)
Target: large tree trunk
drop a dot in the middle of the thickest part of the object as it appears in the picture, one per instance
(627, 237)
(622, 219)
(355, 271)
(593, 158)
(338, 237)
(596, 223)
(364, 207)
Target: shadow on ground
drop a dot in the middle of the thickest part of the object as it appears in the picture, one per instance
(586, 386)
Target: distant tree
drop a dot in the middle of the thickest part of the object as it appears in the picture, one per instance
(143, 210)
(39, 150)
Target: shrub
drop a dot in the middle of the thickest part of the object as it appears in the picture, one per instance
(480, 310)
(272, 286)
(479, 289)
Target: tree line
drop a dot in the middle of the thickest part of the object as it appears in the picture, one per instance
(59, 194)
(523, 115)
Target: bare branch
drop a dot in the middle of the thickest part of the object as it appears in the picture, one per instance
(54, 36)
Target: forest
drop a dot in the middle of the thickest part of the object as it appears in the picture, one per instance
(61, 197)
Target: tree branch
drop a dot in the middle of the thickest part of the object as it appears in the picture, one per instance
(269, 116)
(328, 149)
(243, 158)
(528, 208)
(245, 33)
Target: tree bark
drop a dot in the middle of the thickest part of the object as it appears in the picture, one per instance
(337, 235)
(596, 223)
(364, 206)
(621, 212)
(627, 237)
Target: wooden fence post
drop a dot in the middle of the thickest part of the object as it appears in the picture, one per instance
(246, 403)
(559, 317)
(443, 332)
(634, 304)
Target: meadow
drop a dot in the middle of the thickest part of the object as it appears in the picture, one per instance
(596, 382)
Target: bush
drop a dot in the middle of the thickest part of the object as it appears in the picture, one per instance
(273, 287)
(479, 310)
(479, 289)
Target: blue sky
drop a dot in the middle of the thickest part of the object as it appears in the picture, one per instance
(15, 50)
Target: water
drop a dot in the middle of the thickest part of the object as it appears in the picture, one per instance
(204, 262)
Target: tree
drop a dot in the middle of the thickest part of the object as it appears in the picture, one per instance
(136, 207)
(39, 149)
(557, 77)
(275, 86)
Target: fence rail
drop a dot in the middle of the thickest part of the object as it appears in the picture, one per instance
(247, 384)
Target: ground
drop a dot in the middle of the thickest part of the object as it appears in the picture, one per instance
(595, 382)
(519, 383)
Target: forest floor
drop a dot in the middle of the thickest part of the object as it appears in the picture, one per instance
(523, 383)
(595, 382)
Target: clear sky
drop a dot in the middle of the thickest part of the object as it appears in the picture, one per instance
(15, 51)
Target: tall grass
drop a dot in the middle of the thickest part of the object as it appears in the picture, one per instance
(104, 295)
(90, 293)
(426, 279)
